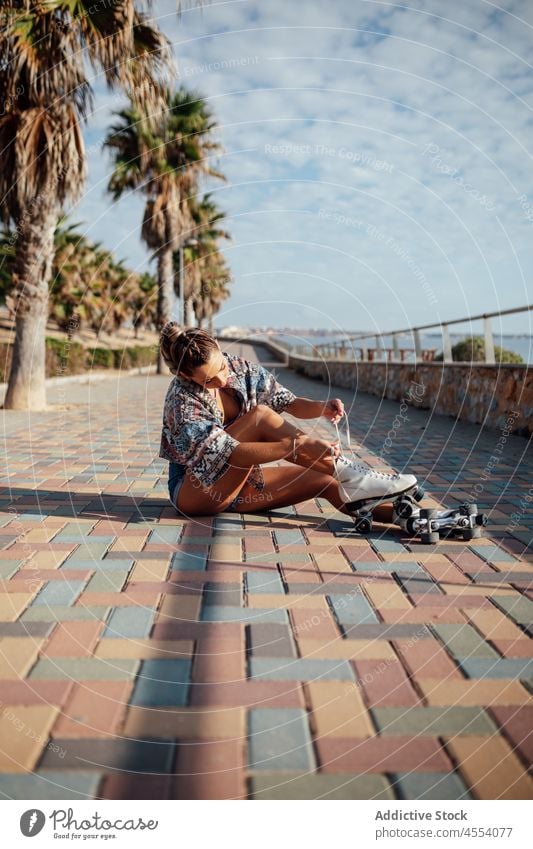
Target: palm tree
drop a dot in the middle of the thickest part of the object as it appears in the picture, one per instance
(88, 287)
(202, 256)
(73, 255)
(214, 291)
(91, 285)
(142, 300)
(166, 163)
(47, 96)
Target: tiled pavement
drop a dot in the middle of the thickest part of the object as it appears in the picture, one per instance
(143, 655)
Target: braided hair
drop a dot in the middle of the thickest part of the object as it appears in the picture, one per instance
(185, 350)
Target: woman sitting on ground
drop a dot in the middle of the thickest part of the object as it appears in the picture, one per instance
(222, 421)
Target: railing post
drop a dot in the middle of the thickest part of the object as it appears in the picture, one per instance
(364, 351)
(418, 345)
(446, 345)
(379, 349)
(490, 356)
(395, 346)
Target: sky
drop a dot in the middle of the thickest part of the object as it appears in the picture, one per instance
(378, 158)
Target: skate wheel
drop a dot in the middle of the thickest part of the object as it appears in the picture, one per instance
(429, 538)
(481, 519)
(404, 510)
(363, 526)
(410, 527)
(468, 509)
(419, 493)
(471, 533)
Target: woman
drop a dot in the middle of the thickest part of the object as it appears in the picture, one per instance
(222, 420)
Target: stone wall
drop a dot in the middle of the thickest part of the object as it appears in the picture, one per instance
(499, 396)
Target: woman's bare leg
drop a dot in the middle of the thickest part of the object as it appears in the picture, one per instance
(262, 422)
(194, 499)
(286, 486)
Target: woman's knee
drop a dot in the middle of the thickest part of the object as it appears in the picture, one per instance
(267, 423)
(259, 420)
(267, 414)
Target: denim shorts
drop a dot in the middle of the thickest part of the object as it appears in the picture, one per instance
(176, 476)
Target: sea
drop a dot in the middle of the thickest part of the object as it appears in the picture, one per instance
(519, 344)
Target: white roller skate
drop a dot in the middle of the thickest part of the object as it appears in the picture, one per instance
(363, 489)
(358, 482)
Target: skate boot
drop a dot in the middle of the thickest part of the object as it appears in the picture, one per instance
(358, 482)
(364, 489)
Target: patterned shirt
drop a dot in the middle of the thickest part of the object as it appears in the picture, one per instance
(193, 434)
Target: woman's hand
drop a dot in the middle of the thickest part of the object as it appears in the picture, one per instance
(333, 410)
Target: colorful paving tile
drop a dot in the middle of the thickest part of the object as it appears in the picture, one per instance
(260, 656)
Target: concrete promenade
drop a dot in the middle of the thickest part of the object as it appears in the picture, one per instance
(276, 655)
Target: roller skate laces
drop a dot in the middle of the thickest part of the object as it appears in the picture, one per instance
(345, 468)
(358, 480)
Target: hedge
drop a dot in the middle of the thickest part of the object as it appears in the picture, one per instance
(64, 357)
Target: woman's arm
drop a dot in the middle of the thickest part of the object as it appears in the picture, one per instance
(304, 408)
(307, 447)
(252, 453)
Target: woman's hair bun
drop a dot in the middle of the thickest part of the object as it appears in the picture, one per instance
(171, 330)
(183, 349)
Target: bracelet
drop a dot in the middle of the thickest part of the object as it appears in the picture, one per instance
(294, 457)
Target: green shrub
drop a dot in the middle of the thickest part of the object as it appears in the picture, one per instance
(472, 350)
(65, 357)
(127, 358)
(100, 358)
(146, 355)
(137, 356)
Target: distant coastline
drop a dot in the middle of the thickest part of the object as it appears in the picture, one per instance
(519, 343)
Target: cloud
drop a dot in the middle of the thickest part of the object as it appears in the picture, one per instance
(413, 121)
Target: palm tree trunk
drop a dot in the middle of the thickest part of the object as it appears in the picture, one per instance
(190, 317)
(33, 268)
(165, 278)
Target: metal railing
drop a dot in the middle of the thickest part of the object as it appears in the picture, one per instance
(346, 350)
